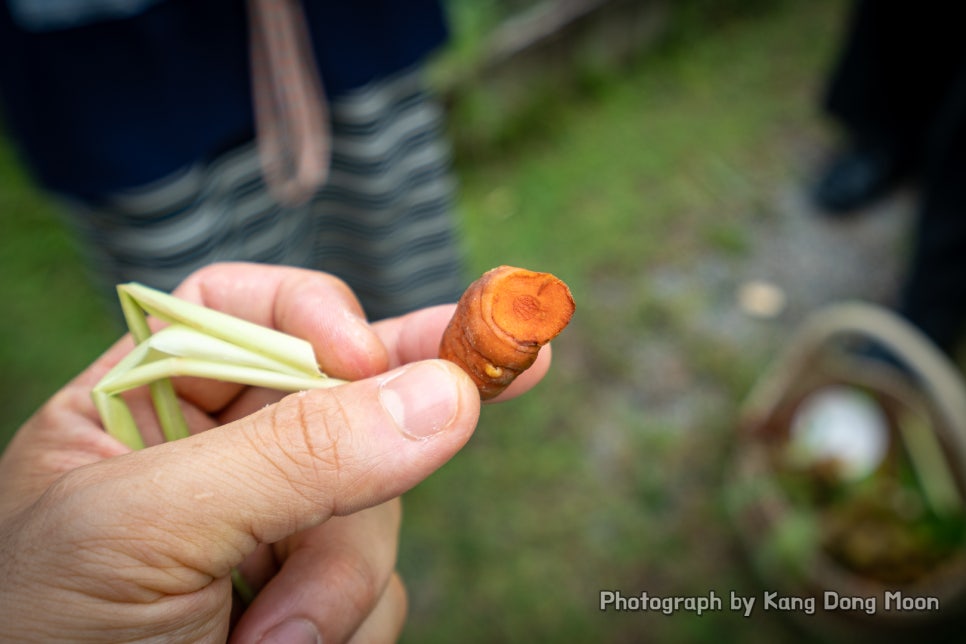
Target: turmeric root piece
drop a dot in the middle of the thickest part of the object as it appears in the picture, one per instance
(500, 323)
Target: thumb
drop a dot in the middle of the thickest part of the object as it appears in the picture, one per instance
(206, 501)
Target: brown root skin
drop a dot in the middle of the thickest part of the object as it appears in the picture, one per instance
(500, 323)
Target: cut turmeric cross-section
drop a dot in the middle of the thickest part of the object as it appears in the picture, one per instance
(500, 323)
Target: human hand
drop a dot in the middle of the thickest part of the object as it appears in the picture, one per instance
(298, 492)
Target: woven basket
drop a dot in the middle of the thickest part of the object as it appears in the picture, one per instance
(819, 356)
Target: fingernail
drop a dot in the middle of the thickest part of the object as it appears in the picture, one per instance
(293, 631)
(422, 399)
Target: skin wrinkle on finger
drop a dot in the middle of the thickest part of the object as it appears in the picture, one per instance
(75, 613)
(347, 474)
(170, 558)
(315, 457)
(333, 437)
(51, 454)
(175, 558)
(169, 545)
(139, 573)
(319, 455)
(275, 448)
(109, 561)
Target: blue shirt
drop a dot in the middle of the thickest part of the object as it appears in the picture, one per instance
(112, 99)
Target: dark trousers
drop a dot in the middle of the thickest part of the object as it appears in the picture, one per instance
(901, 83)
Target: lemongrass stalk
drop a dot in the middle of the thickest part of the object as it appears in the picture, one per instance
(168, 410)
(277, 345)
(241, 586)
(134, 315)
(173, 424)
(182, 341)
(115, 415)
(117, 419)
(136, 356)
(176, 366)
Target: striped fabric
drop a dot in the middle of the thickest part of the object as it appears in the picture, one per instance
(383, 222)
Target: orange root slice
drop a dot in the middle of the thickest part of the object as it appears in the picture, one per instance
(500, 323)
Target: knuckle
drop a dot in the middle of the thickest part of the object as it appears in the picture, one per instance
(301, 444)
(361, 585)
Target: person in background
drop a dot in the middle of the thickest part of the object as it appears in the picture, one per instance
(178, 133)
(898, 90)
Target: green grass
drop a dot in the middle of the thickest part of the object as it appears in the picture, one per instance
(53, 323)
(608, 476)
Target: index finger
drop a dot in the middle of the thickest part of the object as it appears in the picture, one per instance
(311, 305)
(304, 303)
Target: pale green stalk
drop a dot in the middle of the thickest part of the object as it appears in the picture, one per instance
(180, 340)
(117, 419)
(198, 342)
(165, 400)
(276, 345)
(176, 366)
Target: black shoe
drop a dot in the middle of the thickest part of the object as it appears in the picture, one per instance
(857, 178)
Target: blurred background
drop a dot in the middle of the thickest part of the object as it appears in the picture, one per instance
(655, 154)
